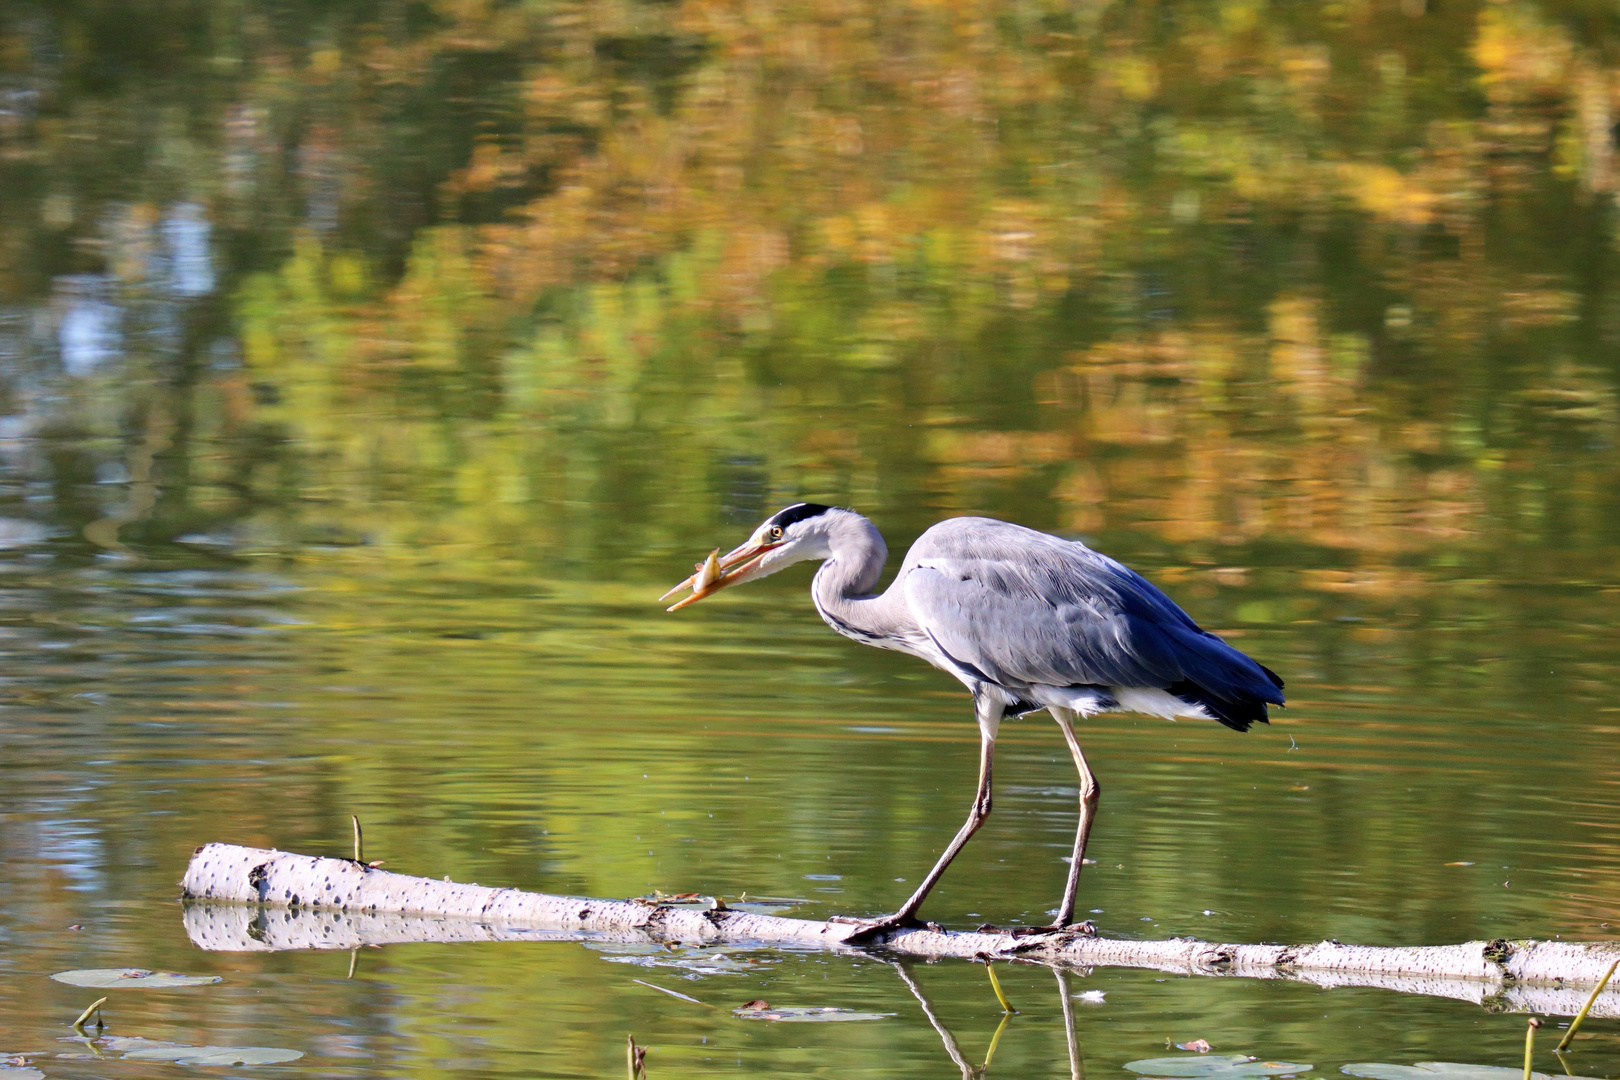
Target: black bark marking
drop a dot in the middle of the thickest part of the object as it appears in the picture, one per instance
(258, 878)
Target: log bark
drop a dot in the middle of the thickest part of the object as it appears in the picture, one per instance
(342, 904)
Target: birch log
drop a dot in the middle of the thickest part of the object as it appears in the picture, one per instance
(342, 904)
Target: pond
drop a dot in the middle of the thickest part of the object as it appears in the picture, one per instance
(368, 370)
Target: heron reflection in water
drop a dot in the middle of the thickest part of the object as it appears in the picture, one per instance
(1026, 621)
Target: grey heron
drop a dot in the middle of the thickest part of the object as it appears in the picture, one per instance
(1025, 620)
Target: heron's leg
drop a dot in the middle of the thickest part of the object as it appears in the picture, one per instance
(989, 724)
(1090, 790)
(989, 713)
(951, 1046)
(1077, 1069)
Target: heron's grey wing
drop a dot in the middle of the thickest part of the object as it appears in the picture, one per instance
(1012, 637)
(1025, 608)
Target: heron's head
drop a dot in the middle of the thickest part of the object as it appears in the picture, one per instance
(792, 534)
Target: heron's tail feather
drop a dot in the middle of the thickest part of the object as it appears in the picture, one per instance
(1238, 715)
(1231, 686)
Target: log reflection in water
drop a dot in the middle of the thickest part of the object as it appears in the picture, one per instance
(239, 927)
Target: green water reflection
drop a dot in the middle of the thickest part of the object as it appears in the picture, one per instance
(367, 370)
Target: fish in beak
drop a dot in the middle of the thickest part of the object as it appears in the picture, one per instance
(716, 572)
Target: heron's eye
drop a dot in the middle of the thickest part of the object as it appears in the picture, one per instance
(776, 532)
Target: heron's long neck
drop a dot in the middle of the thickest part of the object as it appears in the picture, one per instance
(843, 587)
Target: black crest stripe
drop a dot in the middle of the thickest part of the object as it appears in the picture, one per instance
(796, 513)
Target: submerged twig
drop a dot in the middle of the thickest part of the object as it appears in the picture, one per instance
(673, 993)
(90, 1044)
(1530, 1043)
(94, 1008)
(1563, 1044)
(996, 1039)
(635, 1059)
(995, 984)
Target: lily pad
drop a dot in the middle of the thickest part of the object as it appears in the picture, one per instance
(117, 978)
(123, 1044)
(1217, 1067)
(1442, 1070)
(802, 1014)
(216, 1055)
(693, 962)
(136, 1048)
(694, 966)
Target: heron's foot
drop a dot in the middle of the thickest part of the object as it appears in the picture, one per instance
(1086, 928)
(873, 931)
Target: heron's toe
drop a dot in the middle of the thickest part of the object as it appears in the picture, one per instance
(1084, 929)
(875, 931)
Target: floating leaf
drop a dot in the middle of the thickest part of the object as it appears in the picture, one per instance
(1442, 1070)
(1215, 1067)
(123, 1044)
(800, 1014)
(136, 1048)
(694, 962)
(215, 1055)
(103, 978)
(693, 965)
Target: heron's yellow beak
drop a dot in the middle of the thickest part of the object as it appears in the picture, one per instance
(717, 571)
